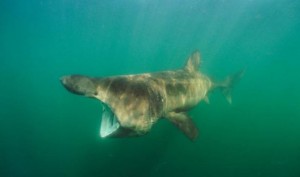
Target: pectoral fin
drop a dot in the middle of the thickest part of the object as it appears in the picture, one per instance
(184, 123)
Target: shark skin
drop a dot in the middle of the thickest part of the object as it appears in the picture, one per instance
(132, 104)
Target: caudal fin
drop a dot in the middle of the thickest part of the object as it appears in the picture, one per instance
(227, 85)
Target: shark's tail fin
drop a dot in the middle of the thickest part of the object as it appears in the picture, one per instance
(227, 85)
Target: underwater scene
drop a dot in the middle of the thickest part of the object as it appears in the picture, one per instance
(154, 88)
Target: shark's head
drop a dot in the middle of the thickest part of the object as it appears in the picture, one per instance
(78, 84)
(111, 125)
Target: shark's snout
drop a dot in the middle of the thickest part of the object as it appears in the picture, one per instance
(64, 79)
(69, 83)
(78, 84)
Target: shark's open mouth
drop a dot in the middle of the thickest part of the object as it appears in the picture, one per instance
(109, 123)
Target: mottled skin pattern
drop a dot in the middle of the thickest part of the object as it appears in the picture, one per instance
(140, 100)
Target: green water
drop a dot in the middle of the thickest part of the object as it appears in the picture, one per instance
(46, 131)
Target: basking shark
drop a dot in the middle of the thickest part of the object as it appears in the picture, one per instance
(133, 103)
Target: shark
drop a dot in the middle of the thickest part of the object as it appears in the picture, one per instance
(132, 104)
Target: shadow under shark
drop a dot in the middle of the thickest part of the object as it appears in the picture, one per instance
(133, 103)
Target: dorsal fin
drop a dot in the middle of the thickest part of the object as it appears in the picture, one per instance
(193, 62)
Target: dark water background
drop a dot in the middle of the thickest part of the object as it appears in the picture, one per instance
(46, 131)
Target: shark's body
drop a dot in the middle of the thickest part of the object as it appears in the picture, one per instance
(133, 103)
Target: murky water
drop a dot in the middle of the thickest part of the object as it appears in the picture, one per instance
(46, 131)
